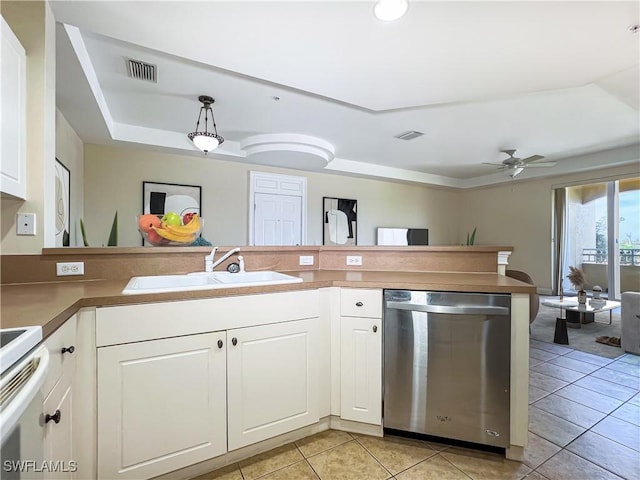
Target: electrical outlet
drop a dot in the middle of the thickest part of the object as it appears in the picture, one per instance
(354, 260)
(69, 268)
(306, 259)
(25, 224)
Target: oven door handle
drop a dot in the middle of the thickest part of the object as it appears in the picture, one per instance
(11, 413)
(449, 309)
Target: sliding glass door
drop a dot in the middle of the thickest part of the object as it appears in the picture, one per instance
(601, 236)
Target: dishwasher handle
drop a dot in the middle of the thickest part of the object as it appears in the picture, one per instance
(450, 309)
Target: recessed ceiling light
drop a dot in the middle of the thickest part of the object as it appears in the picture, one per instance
(390, 10)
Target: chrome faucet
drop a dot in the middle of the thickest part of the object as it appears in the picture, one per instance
(209, 264)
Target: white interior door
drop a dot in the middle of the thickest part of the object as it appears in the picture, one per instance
(277, 219)
(278, 216)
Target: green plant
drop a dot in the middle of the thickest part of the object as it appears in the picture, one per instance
(84, 234)
(113, 235)
(471, 238)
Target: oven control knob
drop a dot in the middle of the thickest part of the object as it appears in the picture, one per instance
(70, 349)
(55, 417)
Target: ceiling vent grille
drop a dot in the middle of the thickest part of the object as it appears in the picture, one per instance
(142, 71)
(410, 135)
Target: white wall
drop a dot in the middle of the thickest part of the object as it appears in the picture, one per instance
(114, 176)
(34, 25)
(519, 214)
(70, 152)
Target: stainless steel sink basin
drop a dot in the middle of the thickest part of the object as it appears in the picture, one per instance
(204, 281)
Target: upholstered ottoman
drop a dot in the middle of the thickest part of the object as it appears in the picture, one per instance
(630, 318)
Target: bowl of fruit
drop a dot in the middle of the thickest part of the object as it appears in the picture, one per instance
(169, 229)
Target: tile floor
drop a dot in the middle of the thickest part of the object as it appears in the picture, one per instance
(584, 424)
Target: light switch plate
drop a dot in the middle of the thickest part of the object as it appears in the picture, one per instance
(306, 259)
(25, 224)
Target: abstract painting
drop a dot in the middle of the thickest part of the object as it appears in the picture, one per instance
(63, 201)
(340, 221)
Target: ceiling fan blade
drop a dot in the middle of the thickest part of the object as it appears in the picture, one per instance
(541, 164)
(533, 158)
(498, 164)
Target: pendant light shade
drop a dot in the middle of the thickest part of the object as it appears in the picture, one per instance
(390, 10)
(206, 140)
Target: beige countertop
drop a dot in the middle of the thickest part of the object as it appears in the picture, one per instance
(50, 304)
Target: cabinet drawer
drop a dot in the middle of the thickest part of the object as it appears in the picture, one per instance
(360, 302)
(60, 363)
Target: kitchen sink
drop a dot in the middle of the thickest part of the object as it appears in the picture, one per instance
(205, 281)
(252, 278)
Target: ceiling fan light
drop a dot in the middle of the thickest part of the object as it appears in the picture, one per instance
(514, 172)
(390, 10)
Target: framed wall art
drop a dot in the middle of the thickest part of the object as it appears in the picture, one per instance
(63, 204)
(340, 221)
(160, 198)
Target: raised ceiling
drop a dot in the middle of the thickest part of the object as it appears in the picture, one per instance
(559, 79)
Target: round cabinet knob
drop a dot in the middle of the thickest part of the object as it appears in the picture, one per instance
(359, 304)
(70, 349)
(55, 417)
(220, 344)
(234, 340)
(375, 328)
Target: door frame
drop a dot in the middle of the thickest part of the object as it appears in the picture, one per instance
(277, 184)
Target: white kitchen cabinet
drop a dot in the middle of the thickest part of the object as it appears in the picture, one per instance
(58, 434)
(273, 380)
(361, 356)
(57, 390)
(13, 166)
(161, 405)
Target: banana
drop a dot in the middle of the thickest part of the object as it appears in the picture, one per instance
(190, 228)
(175, 237)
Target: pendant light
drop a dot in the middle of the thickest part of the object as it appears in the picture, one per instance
(390, 10)
(206, 140)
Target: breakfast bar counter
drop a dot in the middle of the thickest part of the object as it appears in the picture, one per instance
(49, 304)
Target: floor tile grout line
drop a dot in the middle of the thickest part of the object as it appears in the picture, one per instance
(570, 400)
(581, 457)
(590, 429)
(591, 461)
(313, 469)
(374, 457)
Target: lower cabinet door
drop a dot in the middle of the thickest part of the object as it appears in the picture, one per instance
(272, 380)
(58, 435)
(361, 369)
(161, 405)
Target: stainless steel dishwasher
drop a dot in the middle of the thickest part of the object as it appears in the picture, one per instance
(447, 365)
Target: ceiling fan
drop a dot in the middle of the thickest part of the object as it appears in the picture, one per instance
(514, 165)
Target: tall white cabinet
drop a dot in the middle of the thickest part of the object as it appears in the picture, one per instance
(361, 355)
(13, 85)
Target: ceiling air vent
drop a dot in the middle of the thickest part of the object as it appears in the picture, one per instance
(141, 70)
(410, 135)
